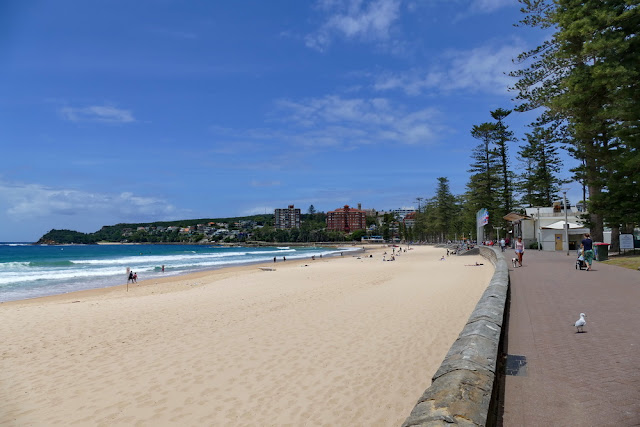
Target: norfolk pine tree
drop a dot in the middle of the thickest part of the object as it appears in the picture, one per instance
(483, 183)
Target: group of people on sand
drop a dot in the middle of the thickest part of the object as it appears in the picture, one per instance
(393, 254)
(133, 277)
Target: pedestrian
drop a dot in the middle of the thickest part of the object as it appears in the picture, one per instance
(130, 278)
(274, 259)
(519, 250)
(587, 245)
(502, 244)
(135, 277)
(284, 258)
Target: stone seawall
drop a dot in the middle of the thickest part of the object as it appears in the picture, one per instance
(463, 389)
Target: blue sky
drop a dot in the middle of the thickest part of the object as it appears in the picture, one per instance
(134, 111)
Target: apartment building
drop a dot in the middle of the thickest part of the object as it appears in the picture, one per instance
(287, 218)
(346, 219)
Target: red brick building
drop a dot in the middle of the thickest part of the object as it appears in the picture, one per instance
(347, 219)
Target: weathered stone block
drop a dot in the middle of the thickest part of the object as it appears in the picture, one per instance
(460, 397)
(471, 352)
(483, 328)
(491, 309)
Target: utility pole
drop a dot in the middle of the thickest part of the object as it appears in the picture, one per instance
(566, 223)
(498, 232)
(538, 227)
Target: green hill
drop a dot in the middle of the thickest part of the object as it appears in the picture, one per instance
(156, 232)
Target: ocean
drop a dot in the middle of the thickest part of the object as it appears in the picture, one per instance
(31, 271)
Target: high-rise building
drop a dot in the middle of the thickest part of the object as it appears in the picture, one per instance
(287, 218)
(402, 212)
(346, 219)
(409, 219)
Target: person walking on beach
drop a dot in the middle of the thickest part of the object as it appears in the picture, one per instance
(519, 250)
(130, 278)
(587, 245)
(135, 277)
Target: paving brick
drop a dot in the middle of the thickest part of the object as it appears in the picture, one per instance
(584, 379)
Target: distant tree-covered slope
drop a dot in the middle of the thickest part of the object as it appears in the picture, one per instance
(66, 237)
(117, 233)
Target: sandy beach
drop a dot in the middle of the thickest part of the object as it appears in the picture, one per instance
(345, 341)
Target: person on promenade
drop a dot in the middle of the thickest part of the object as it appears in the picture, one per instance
(587, 245)
(502, 244)
(519, 250)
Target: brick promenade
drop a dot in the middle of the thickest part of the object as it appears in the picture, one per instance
(571, 379)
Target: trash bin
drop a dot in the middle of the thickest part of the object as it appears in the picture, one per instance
(602, 251)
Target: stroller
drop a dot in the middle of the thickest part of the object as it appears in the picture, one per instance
(580, 262)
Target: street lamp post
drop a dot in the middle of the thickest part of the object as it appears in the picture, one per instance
(498, 232)
(538, 227)
(566, 223)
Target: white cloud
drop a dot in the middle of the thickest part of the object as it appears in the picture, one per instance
(258, 210)
(97, 113)
(31, 201)
(487, 6)
(366, 21)
(336, 121)
(483, 69)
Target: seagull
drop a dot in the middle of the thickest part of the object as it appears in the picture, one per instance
(581, 322)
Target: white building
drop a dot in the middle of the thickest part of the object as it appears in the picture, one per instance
(547, 225)
(401, 213)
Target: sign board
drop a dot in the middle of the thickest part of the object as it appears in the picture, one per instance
(626, 241)
(482, 217)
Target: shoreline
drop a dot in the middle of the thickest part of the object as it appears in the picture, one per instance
(169, 278)
(310, 342)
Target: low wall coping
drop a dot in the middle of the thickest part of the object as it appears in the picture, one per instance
(462, 388)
